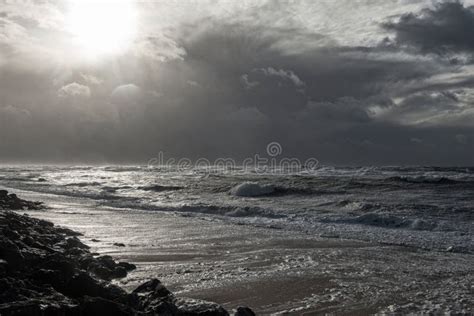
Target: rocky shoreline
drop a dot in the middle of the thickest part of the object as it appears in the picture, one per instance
(47, 270)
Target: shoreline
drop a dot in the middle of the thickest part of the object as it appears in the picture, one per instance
(286, 272)
(47, 270)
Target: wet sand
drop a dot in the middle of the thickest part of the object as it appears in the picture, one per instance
(272, 271)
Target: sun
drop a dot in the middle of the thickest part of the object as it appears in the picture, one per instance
(102, 27)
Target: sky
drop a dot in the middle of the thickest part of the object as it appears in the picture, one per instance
(348, 82)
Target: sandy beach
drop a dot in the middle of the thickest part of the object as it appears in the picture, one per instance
(270, 270)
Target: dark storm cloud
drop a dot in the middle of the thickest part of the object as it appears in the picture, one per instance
(330, 95)
(216, 88)
(238, 52)
(447, 28)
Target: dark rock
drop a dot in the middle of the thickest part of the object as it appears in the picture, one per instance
(153, 286)
(51, 277)
(118, 272)
(106, 268)
(103, 307)
(12, 202)
(85, 261)
(3, 267)
(100, 271)
(107, 261)
(28, 240)
(66, 268)
(153, 297)
(244, 311)
(11, 233)
(76, 252)
(45, 223)
(119, 244)
(39, 308)
(67, 232)
(127, 266)
(74, 242)
(83, 284)
(10, 252)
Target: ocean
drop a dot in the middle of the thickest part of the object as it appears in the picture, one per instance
(426, 207)
(341, 240)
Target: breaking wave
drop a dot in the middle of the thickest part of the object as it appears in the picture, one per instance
(252, 189)
(426, 180)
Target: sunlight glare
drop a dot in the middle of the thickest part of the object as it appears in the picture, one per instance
(102, 27)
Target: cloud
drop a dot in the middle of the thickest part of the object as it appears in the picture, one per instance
(283, 74)
(13, 115)
(452, 107)
(247, 115)
(42, 14)
(126, 93)
(91, 80)
(160, 48)
(208, 82)
(447, 28)
(247, 83)
(74, 90)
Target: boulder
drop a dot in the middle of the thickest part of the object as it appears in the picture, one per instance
(103, 307)
(12, 202)
(62, 266)
(154, 286)
(106, 268)
(67, 232)
(127, 266)
(244, 311)
(83, 284)
(118, 272)
(10, 252)
(51, 277)
(74, 242)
